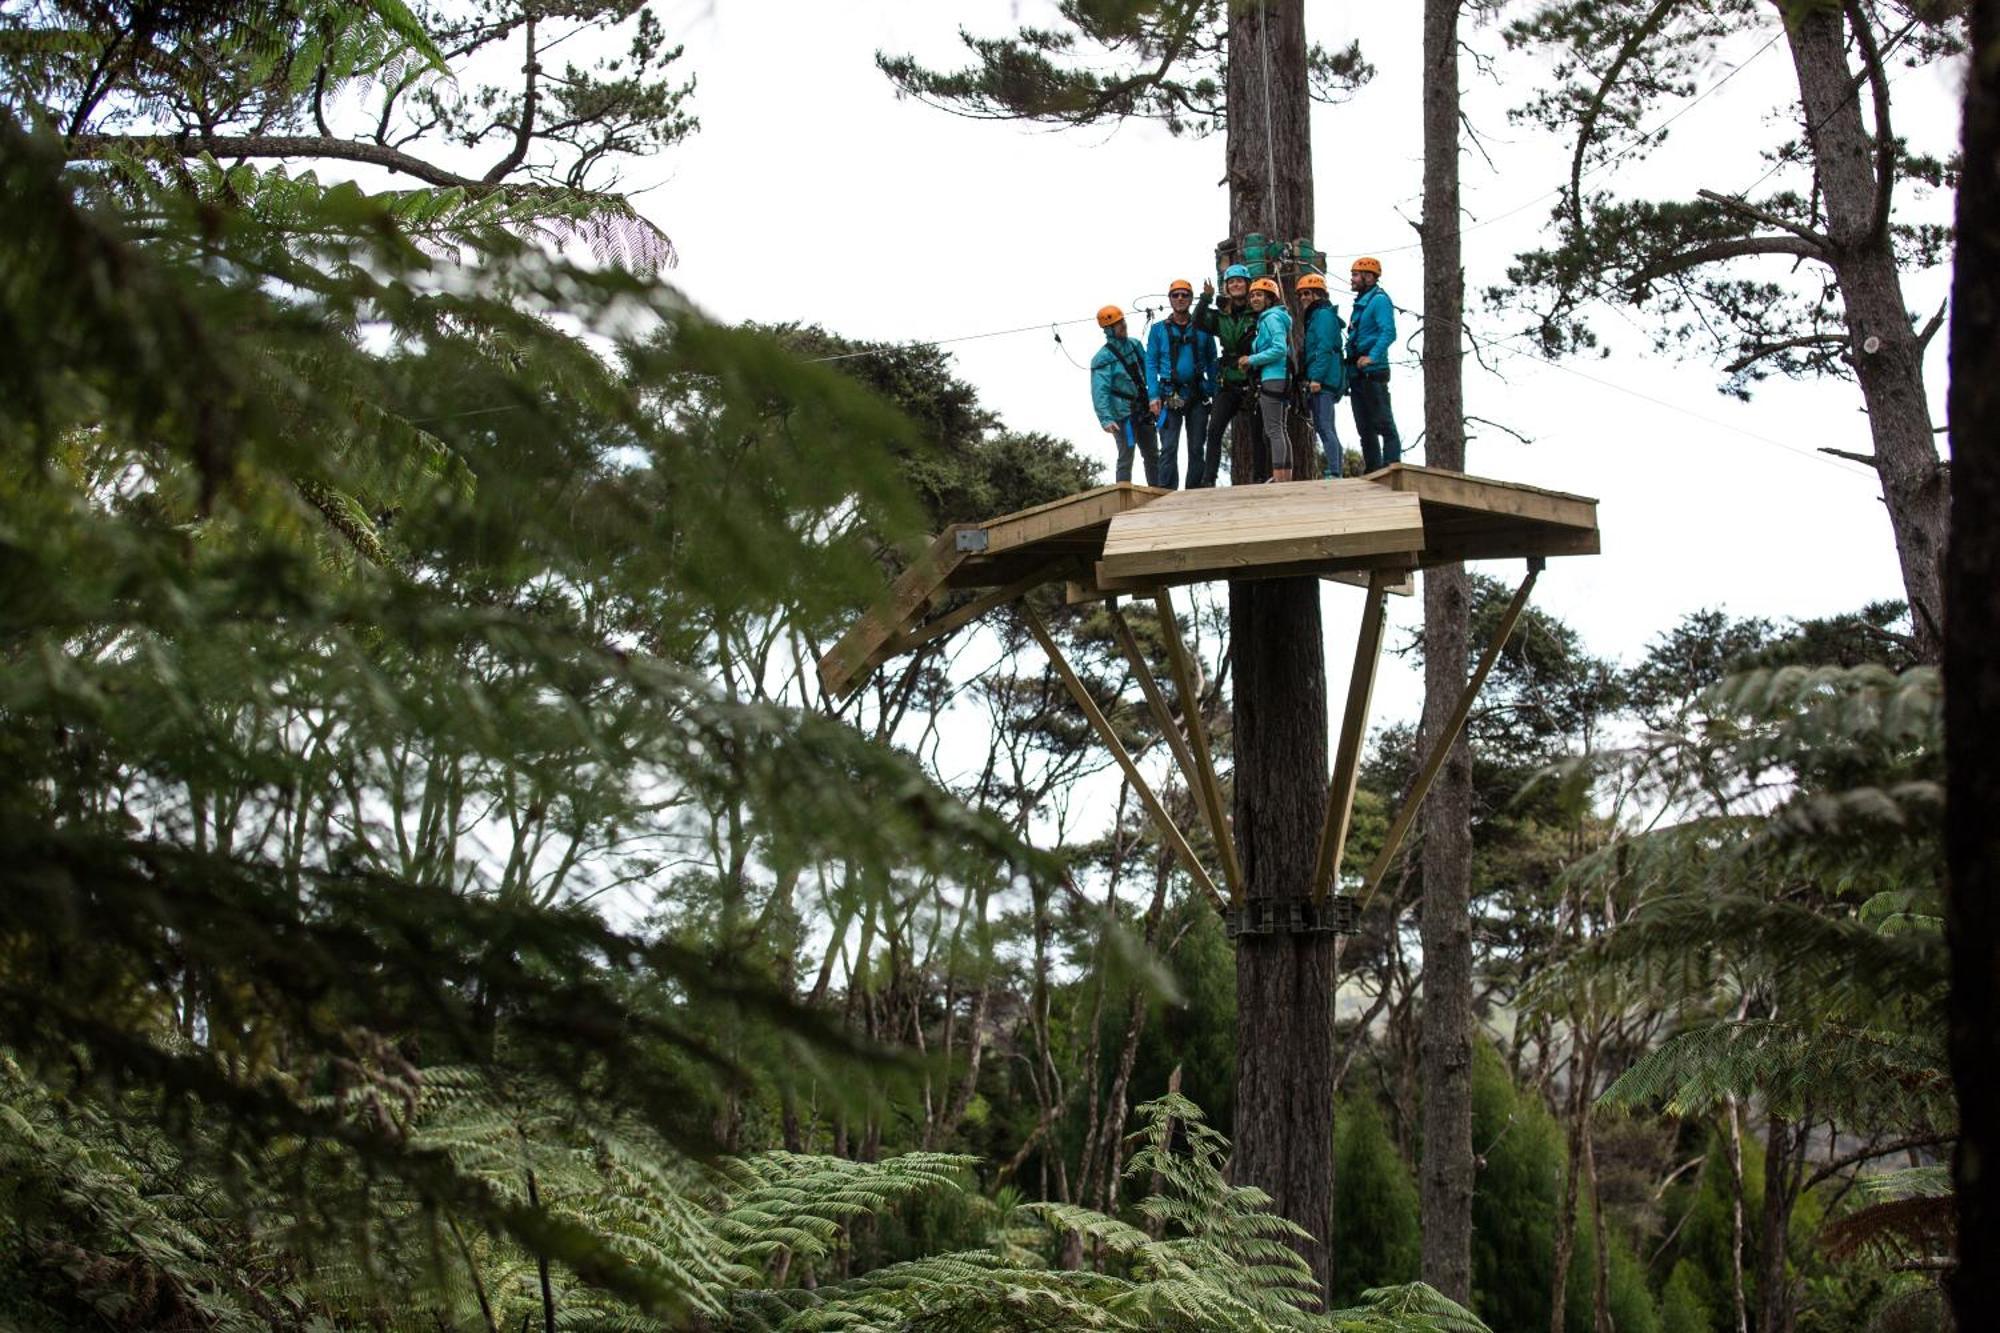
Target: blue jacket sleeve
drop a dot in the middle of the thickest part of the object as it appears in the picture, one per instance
(1102, 368)
(1374, 333)
(1274, 337)
(1159, 360)
(1207, 362)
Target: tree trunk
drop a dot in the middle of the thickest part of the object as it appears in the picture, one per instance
(1446, 926)
(1733, 1145)
(1284, 983)
(1773, 1284)
(1972, 687)
(1884, 348)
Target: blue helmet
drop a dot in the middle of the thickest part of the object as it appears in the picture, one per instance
(1236, 271)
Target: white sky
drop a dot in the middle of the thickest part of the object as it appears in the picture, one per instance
(811, 193)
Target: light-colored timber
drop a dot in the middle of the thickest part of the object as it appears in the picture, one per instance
(1220, 530)
(1399, 828)
(1353, 731)
(848, 663)
(1126, 539)
(1182, 663)
(1093, 715)
(1163, 717)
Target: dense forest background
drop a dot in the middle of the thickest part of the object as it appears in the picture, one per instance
(436, 893)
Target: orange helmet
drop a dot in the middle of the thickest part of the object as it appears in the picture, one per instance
(1312, 282)
(1180, 285)
(1368, 264)
(1269, 287)
(1108, 316)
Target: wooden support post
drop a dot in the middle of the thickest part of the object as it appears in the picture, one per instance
(1102, 726)
(971, 611)
(1353, 731)
(1182, 663)
(1164, 715)
(1400, 828)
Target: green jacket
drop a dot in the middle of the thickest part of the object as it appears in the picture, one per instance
(1235, 331)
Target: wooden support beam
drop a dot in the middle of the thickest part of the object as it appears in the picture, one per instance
(971, 611)
(1182, 664)
(850, 661)
(1353, 731)
(1102, 726)
(1164, 715)
(1434, 763)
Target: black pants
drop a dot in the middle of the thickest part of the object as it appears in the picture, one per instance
(1229, 400)
(1137, 429)
(1380, 445)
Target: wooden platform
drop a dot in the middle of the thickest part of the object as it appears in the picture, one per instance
(1116, 540)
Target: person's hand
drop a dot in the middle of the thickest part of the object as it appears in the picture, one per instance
(1207, 287)
(1243, 363)
(1312, 386)
(1364, 361)
(1111, 429)
(1154, 406)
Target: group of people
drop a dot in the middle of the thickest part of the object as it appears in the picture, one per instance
(1208, 360)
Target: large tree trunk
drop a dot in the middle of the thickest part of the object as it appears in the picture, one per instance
(1447, 816)
(1972, 687)
(1886, 352)
(1284, 983)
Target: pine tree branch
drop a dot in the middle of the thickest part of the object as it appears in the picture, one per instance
(1587, 125)
(1734, 248)
(1818, 240)
(92, 147)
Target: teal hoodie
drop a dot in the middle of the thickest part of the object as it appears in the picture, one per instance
(1114, 391)
(1271, 353)
(1320, 360)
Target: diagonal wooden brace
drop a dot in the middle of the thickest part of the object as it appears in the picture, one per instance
(1102, 726)
(1441, 748)
(1183, 755)
(1353, 732)
(1204, 754)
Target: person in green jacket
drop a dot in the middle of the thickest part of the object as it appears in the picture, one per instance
(1269, 360)
(1118, 393)
(1322, 366)
(1234, 325)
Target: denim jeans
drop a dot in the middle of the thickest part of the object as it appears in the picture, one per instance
(1138, 429)
(1329, 437)
(1373, 422)
(1195, 417)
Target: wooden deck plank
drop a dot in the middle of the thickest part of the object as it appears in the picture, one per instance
(1085, 509)
(1220, 531)
(1510, 498)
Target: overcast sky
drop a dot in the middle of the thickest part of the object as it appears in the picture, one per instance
(811, 193)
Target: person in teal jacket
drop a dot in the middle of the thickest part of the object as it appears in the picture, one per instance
(1322, 366)
(1269, 362)
(1180, 374)
(1118, 392)
(1370, 338)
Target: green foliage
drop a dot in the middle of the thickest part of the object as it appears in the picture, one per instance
(1170, 66)
(1374, 1204)
(1682, 1309)
(1716, 274)
(1519, 1151)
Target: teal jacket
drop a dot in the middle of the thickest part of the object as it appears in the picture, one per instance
(1271, 354)
(1321, 360)
(1373, 332)
(1234, 331)
(1118, 379)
